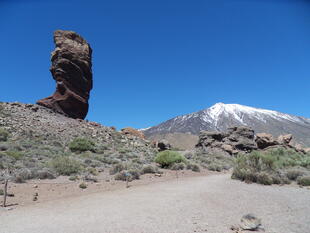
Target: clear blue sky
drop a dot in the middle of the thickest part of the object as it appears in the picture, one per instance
(154, 60)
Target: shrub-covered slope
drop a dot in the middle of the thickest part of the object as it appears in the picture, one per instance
(38, 143)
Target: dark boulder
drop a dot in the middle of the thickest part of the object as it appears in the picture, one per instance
(236, 139)
(242, 138)
(72, 70)
(163, 145)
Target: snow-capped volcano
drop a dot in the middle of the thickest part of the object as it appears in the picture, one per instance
(221, 116)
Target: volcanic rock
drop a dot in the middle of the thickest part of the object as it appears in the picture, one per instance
(236, 139)
(242, 138)
(264, 140)
(250, 222)
(163, 145)
(285, 139)
(133, 132)
(72, 70)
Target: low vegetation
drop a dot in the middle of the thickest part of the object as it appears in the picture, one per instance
(213, 162)
(65, 165)
(303, 180)
(81, 145)
(276, 166)
(83, 186)
(168, 158)
(3, 135)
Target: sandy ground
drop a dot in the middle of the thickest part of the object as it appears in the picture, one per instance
(62, 187)
(191, 204)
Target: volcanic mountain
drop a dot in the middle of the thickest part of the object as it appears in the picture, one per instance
(221, 116)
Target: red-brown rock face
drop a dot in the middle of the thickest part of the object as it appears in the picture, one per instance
(72, 70)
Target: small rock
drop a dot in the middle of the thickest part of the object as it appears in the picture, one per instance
(158, 174)
(250, 222)
(35, 186)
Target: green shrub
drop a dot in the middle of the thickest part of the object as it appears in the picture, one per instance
(194, 167)
(122, 176)
(82, 145)
(277, 180)
(264, 178)
(149, 169)
(135, 174)
(93, 171)
(1, 192)
(294, 174)
(271, 167)
(17, 155)
(83, 186)
(178, 166)
(3, 135)
(215, 167)
(22, 175)
(168, 158)
(44, 174)
(244, 175)
(65, 165)
(116, 168)
(304, 180)
(130, 175)
(73, 178)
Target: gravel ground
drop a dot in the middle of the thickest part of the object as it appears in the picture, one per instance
(194, 204)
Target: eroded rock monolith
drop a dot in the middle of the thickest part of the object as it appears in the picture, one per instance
(72, 70)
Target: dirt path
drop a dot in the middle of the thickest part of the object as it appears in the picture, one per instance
(195, 204)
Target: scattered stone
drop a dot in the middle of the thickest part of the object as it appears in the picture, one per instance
(158, 174)
(250, 222)
(35, 196)
(35, 186)
(90, 178)
(72, 70)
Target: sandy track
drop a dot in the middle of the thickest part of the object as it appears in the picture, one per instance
(195, 204)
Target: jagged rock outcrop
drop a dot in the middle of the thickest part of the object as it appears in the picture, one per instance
(72, 70)
(242, 139)
(264, 140)
(133, 132)
(235, 140)
(285, 139)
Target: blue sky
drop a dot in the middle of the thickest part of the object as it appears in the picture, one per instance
(153, 60)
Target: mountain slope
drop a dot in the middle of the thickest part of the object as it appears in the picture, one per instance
(221, 116)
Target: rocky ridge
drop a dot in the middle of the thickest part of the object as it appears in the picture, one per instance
(242, 140)
(38, 135)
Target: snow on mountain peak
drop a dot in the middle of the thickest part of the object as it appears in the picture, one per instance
(238, 111)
